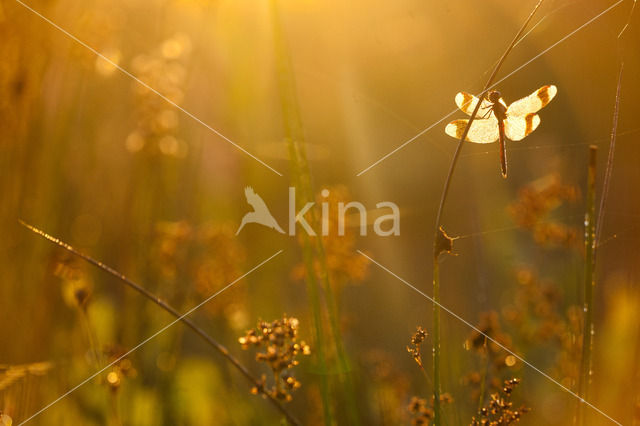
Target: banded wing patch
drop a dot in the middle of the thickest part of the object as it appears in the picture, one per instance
(534, 102)
(482, 131)
(517, 128)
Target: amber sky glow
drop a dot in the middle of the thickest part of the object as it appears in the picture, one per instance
(131, 130)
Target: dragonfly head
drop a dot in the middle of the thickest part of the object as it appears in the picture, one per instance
(494, 96)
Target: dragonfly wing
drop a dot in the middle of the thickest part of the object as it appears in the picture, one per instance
(534, 102)
(482, 131)
(467, 103)
(517, 128)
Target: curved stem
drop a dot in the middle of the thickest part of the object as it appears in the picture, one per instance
(443, 198)
(170, 309)
(454, 161)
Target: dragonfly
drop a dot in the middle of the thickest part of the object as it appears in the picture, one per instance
(496, 121)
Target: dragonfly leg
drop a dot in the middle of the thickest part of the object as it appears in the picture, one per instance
(489, 108)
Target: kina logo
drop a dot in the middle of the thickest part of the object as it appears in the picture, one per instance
(262, 216)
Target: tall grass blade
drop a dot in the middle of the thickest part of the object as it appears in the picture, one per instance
(313, 248)
(589, 262)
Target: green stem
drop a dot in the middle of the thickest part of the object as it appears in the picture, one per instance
(98, 362)
(483, 382)
(301, 179)
(96, 354)
(593, 230)
(343, 359)
(316, 309)
(436, 343)
(589, 261)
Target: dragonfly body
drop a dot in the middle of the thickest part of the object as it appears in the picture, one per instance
(497, 122)
(500, 112)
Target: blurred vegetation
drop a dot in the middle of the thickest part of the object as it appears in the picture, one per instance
(91, 156)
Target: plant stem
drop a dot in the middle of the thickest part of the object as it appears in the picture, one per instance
(301, 180)
(343, 360)
(170, 309)
(589, 263)
(609, 167)
(96, 354)
(443, 198)
(436, 342)
(593, 237)
(313, 248)
(316, 309)
(483, 381)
